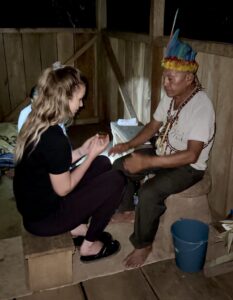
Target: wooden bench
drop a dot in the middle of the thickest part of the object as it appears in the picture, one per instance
(48, 260)
(191, 203)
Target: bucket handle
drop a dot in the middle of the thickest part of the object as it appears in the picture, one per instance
(198, 246)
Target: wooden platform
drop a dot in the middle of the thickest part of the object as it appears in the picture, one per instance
(158, 281)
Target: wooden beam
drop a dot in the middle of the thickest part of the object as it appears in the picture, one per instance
(156, 18)
(119, 76)
(156, 30)
(78, 53)
(47, 30)
(101, 14)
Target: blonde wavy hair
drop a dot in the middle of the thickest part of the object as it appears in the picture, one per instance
(55, 88)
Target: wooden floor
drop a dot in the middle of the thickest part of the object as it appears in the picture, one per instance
(161, 280)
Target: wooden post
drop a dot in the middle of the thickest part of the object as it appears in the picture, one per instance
(101, 23)
(156, 30)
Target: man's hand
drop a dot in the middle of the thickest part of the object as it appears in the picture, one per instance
(136, 162)
(119, 148)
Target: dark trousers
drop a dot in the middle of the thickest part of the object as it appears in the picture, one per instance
(152, 195)
(95, 198)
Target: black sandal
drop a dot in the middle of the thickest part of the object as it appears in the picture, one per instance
(105, 237)
(108, 249)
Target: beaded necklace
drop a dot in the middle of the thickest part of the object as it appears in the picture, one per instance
(162, 142)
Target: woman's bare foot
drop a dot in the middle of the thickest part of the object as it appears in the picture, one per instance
(90, 248)
(80, 230)
(136, 258)
(123, 217)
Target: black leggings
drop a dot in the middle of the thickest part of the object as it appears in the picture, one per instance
(96, 197)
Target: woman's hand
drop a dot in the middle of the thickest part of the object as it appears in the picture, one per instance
(85, 148)
(98, 145)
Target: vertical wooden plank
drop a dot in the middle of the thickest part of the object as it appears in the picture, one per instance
(229, 199)
(114, 86)
(140, 82)
(48, 49)
(129, 71)
(86, 63)
(208, 68)
(4, 88)
(222, 149)
(156, 77)
(135, 78)
(32, 62)
(101, 80)
(121, 61)
(101, 22)
(146, 109)
(15, 68)
(65, 46)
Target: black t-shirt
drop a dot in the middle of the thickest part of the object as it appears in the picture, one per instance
(33, 190)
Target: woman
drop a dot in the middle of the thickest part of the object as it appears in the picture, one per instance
(51, 198)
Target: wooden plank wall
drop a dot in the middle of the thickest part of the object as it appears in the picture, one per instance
(23, 55)
(134, 59)
(215, 74)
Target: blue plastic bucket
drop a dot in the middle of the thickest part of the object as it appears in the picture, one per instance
(190, 239)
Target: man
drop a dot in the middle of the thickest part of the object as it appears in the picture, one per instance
(185, 124)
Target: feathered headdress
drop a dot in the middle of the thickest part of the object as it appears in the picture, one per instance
(179, 56)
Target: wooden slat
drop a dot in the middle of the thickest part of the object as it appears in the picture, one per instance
(122, 87)
(121, 61)
(15, 68)
(229, 200)
(32, 62)
(141, 96)
(208, 68)
(181, 285)
(65, 46)
(146, 105)
(87, 64)
(113, 86)
(156, 77)
(47, 30)
(73, 292)
(48, 49)
(4, 88)
(122, 286)
(100, 82)
(129, 73)
(111, 91)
